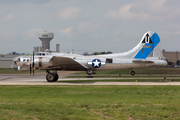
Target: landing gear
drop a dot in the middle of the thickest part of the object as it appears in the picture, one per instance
(89, 72)
(56, 77)
(132, 73)
(52, 77)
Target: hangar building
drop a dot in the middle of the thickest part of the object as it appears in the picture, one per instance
(6, 60)
(172, 57)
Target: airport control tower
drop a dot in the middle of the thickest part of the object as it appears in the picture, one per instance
(45, 37)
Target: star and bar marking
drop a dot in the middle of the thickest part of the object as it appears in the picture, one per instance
(96, 63)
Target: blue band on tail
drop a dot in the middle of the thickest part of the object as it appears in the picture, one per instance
(148, 47)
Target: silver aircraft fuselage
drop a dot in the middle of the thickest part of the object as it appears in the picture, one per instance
(43, 62)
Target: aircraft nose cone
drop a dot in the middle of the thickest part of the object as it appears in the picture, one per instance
(15, 60)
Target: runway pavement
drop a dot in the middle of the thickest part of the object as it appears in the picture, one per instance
(40, 80)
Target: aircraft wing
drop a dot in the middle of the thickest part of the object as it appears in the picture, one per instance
(66, 63)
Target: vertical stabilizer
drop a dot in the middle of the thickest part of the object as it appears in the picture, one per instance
(149, 46)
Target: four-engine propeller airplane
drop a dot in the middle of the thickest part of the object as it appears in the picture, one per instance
(146, 54)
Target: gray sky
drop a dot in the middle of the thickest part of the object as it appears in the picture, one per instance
(88, 25)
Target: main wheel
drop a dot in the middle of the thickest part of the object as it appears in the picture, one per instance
(50, 77)
(89, 72)
(133, 73)
(56, 77)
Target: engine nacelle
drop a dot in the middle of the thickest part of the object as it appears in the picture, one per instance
(42, 62)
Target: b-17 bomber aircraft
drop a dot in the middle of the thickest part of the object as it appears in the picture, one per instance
(146, 54)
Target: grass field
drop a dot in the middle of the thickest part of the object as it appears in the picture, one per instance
(89, 102)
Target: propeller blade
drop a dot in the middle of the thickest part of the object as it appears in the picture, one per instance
(30, 69)
(33, 72)
(33, 58)
(33, 63)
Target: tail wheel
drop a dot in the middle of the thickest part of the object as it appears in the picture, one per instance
(132, 73)
(50, 77)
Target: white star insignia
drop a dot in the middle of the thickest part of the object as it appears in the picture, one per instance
(96, 63)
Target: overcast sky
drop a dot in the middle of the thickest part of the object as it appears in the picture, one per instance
(88, 25)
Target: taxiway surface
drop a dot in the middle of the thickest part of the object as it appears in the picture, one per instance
(40, 80)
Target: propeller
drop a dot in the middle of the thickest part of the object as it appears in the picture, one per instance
(32, 64)
(30, 68)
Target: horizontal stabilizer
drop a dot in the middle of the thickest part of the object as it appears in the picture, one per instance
(142, 61)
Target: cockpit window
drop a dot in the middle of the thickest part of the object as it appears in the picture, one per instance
(40, 54)
(24, 59)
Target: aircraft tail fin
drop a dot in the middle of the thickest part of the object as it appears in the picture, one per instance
(149, 46)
